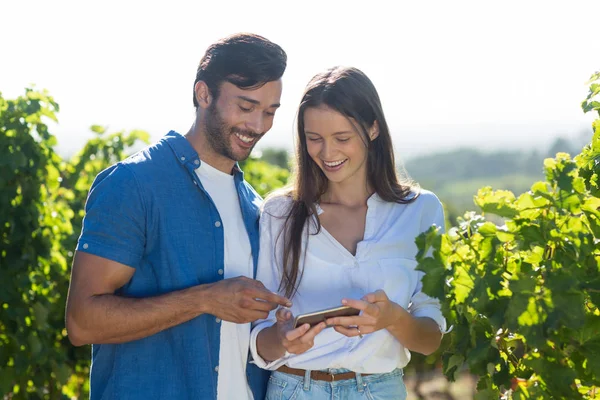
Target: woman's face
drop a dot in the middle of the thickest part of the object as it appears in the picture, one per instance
(334, 144)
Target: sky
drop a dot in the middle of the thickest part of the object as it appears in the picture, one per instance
(450, 74)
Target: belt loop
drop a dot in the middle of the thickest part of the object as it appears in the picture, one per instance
(307, 380)
(360, 386)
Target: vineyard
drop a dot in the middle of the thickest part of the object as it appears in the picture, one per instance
(522, 294)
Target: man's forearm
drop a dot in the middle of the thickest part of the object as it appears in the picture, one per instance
(109, 318)
(416, 333)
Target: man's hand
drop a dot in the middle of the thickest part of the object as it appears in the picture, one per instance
(95, 314)
(378, 312)
(242, 300)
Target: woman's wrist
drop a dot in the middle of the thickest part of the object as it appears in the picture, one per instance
(268, 344)
(400, 319)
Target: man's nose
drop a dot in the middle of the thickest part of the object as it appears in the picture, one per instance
(256, 123)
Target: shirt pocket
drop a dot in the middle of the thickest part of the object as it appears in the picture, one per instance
(398, 279)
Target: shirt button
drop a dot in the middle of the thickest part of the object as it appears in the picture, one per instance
(218, 320)
(195, 183)
(85, 246)
(197, 162)
(218, 224)
(217, 368)
(220, 272)
(182, 158)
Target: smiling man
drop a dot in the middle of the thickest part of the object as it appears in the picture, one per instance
(162, 282)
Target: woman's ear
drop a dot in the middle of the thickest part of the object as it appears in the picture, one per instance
(202, 94)
(374, 131)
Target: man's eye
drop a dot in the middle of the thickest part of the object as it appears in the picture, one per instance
(343, 140)
(244, 109)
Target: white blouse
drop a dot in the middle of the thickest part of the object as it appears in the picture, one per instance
(385, 259)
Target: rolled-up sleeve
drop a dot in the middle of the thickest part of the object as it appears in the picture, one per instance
(256, 358)
(114, 225)
(422, 305)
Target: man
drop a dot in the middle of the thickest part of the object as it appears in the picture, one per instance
(162, 279)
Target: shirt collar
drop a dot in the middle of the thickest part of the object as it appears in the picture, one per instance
(185, 152)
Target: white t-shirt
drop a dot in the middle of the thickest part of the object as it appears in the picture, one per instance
(235, 338)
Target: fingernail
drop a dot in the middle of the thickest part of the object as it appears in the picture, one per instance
(344, 301)
(288, 304)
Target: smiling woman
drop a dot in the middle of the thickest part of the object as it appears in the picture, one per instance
(333, 142)
(344, 234)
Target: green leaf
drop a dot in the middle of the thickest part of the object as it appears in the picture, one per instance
(434, 279)
(41, 315)
(463, 284)
(487, 394)
(7, 376)
(499, 202)
(592, 349)
(100, 130)
(488, 229)
(35, 346)
(533, 315)
(62, 372)
(454, 364)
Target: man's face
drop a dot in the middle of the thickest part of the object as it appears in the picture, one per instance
(239, 118)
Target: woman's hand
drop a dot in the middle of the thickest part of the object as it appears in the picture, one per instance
(299, 340)
(281, 338)
(378, 312)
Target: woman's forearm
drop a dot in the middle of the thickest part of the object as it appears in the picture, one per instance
(268, 345)
(420, 334)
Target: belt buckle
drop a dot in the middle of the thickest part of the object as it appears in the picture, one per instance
(332, 376)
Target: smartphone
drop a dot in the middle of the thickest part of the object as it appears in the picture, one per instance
(315, 317)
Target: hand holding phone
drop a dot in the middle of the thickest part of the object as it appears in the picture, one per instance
(315, 317)
(292, 339)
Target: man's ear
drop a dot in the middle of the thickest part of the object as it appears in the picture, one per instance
(203, 96)
(374, 131)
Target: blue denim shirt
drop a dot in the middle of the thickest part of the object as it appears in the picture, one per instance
(150, 212)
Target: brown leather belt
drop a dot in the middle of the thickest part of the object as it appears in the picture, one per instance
(319, 375)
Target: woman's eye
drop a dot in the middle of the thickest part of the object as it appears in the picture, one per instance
(312, 139)
(343, 140)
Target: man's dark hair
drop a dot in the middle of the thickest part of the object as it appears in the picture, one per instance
(244, 59)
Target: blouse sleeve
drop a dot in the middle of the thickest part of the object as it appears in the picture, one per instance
(269, 273)
(422, 305)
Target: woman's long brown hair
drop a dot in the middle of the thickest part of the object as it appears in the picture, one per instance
(350, 92)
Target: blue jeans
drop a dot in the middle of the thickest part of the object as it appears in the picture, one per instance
(372, 387)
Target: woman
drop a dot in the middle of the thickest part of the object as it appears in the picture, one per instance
(344, 233)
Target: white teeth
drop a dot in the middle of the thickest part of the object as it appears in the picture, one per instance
(245, 139)
(333, 164)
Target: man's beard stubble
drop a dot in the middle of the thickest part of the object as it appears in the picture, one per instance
(218, 134)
